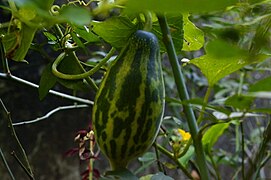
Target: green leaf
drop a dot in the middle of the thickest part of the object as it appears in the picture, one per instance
(10, 41)
(47, 81)
(86, 34)
(123, 174)
(239, 102)
(75, 15)
(45, 5)
(26, 37)
(50, 36)
(158, 176)
(262, 85)
(188, 155)
(193, 36)
(147, 177)
(146, 160)
(148, 156)
(177, 6)
(211, 136)
(116, 31)
(221, 59)
(161, 176)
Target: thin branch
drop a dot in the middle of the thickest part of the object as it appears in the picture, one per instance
(50, 113)
(13, 134)
(6, 165)
(58, 94)
(22, 165)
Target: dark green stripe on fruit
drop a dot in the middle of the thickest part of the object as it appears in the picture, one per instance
(129, 104)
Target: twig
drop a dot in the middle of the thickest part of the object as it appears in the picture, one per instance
(50, 113)
(22, 165)
(13, 134)
(6, 165)
(58, 94)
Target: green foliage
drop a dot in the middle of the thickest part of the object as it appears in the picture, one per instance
(115, 31)
(193, 36)
(212, 134)
(226, 67)
(47, 81)
(262, 85)
(176, 6)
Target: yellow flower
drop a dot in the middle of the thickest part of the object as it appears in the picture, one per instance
(185, 135)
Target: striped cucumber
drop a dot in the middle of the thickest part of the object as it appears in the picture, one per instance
(129, 105)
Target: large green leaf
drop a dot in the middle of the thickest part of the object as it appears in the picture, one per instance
(176, 6)
(211, 136)
(221, 59)
(193, 36)
(115, 31)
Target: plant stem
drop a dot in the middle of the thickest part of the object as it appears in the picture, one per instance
(83, 75)
(14, 135)
(182, 90)
(148, 21)
(6, 165)
(158, 158)
(88, 79)
(58, 94)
